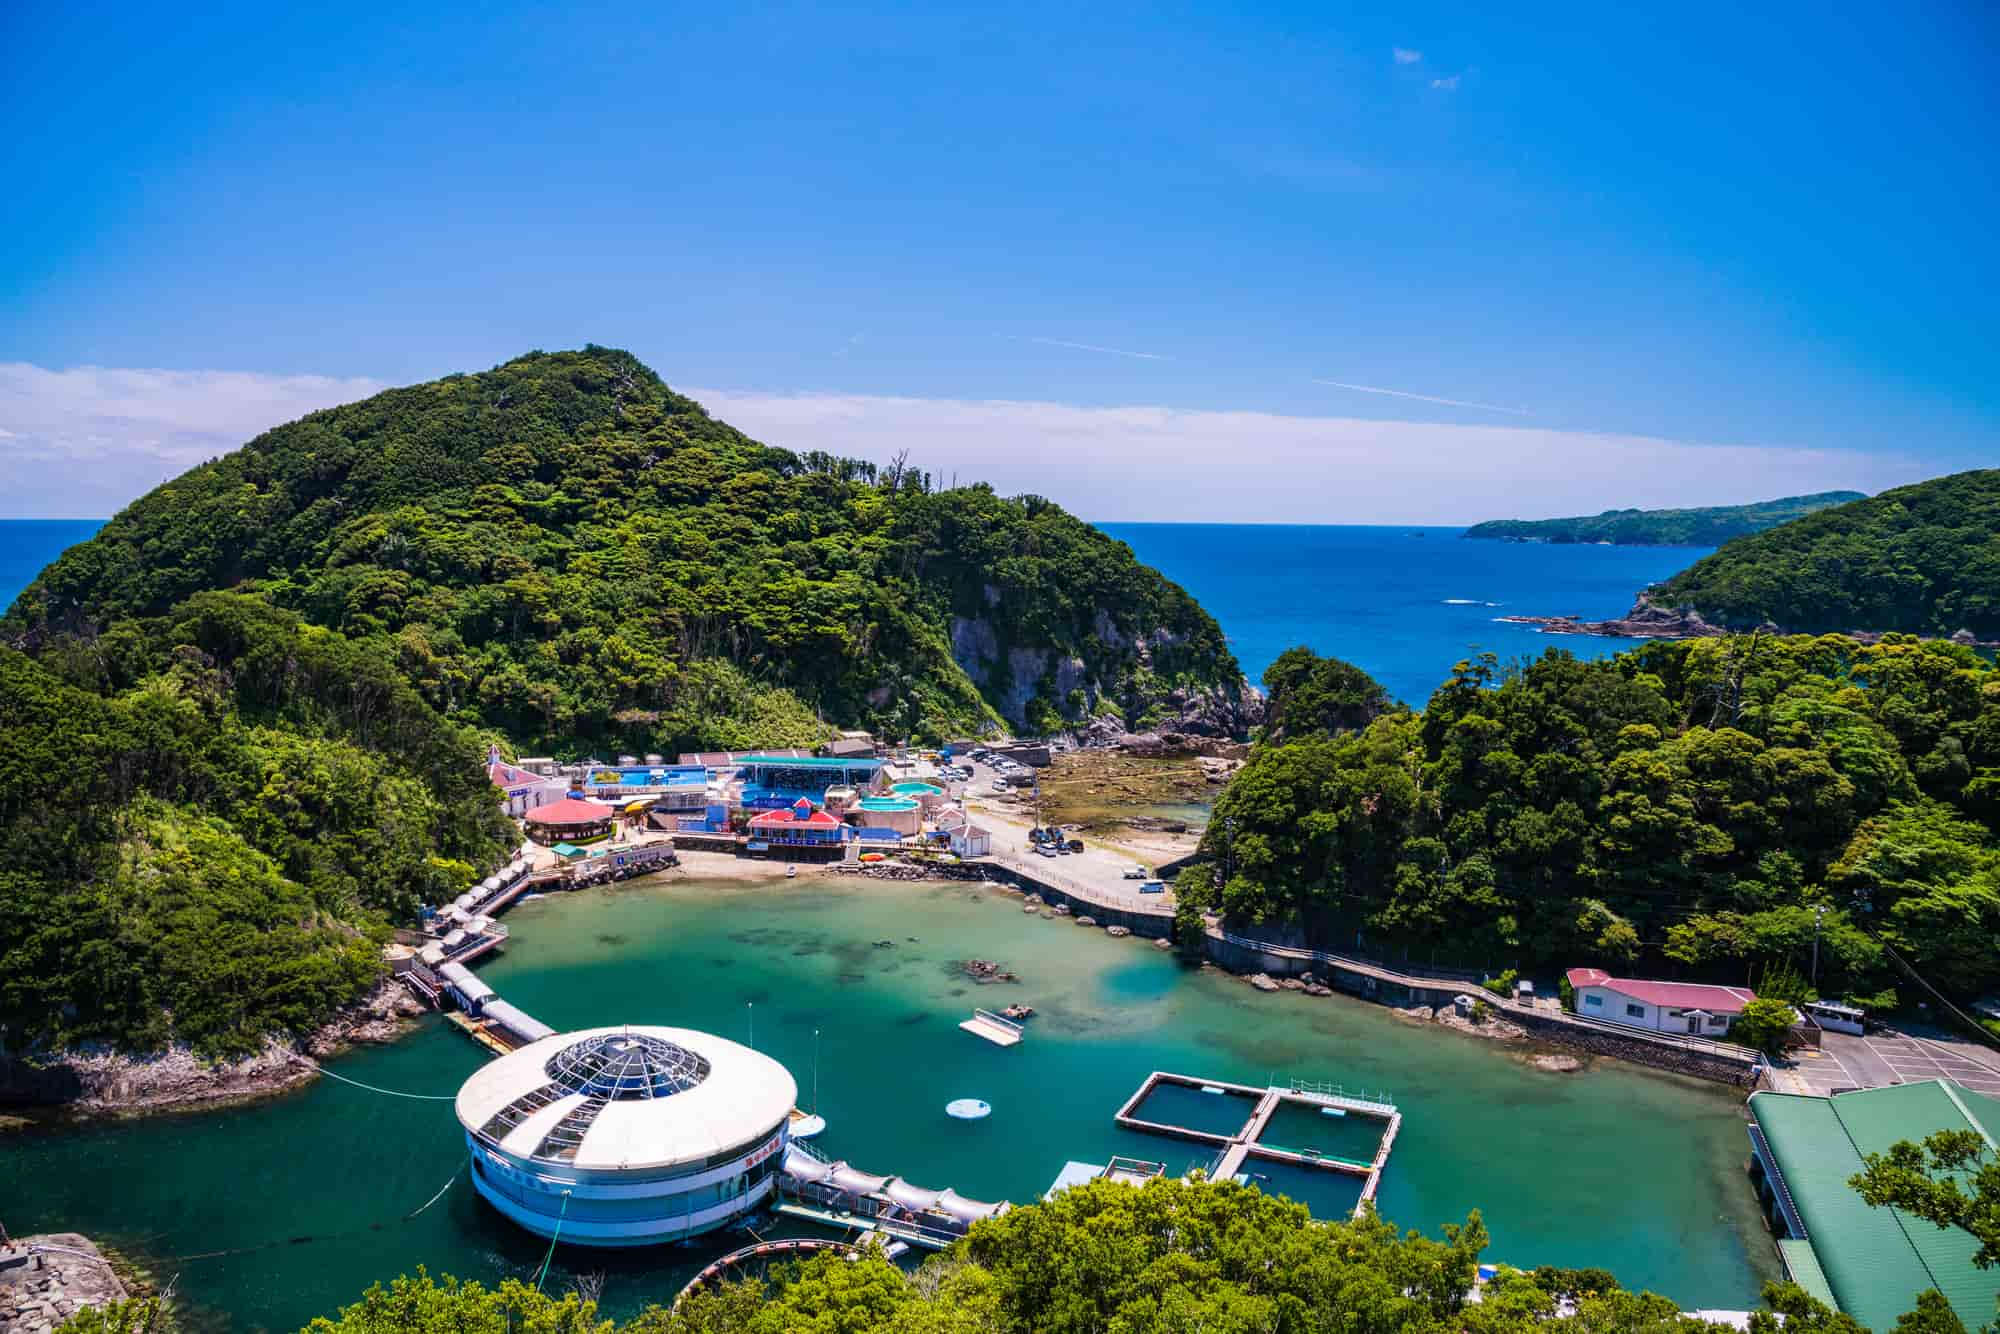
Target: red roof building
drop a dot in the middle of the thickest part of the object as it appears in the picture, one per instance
(800, 823)
(1664, 1007)
(568, 821)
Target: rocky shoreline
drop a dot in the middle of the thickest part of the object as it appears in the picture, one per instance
(1644, 621)
(46, 1279)
(1649, 620)
(103, 1082)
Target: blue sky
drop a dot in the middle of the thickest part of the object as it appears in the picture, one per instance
(1768, 232)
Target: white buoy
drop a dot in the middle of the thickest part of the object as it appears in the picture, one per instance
(968, 1109)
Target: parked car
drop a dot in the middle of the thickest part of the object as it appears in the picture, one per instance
(1075, 845)
(1045, 850)
(1136, 872)
(1153, 887)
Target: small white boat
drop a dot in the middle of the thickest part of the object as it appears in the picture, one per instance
(791, 871)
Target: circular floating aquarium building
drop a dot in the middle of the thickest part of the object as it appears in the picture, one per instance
(627, 1136)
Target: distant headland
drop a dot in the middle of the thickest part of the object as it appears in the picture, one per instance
(1708, 527)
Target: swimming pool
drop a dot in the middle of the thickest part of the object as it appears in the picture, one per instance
(917, 790)
(886, 804)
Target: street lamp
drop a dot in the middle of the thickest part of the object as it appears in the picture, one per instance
(1819, 915)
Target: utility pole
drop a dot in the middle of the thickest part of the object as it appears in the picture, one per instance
(1819, 914)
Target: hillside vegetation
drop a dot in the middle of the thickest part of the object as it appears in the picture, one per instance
(1108, 1258)
(1691, 803)
(564, 550)
(1922, 559)
(1705, 527)
(208, 821)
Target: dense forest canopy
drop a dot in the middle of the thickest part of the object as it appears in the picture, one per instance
(1709, 526)
(566, 551)
(1169, 1257)
(1694, 803)
(1922, 559)
(208, 821)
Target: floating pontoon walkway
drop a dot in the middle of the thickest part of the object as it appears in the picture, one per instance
(1242, 1145)
(996, 1030)
(835, 1194)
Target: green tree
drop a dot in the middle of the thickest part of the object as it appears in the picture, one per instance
(1763, 1024)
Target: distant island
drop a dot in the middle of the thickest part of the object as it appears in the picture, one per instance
(1707, 527)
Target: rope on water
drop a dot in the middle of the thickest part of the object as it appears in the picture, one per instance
(421, 1097)
(562, 1214)
(432, 1200)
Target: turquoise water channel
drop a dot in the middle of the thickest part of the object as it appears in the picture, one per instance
(283, 1210)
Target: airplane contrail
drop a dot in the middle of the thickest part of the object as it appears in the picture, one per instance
(1422, 398)
(1092, 347)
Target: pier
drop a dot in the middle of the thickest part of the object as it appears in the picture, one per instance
(1240, 1146)
(996, 1030)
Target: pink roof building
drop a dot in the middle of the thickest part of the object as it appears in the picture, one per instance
(1665, 1007)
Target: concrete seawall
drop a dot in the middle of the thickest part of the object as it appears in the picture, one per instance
(1394, 986)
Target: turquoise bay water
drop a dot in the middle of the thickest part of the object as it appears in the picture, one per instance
(1401, 603)
(1638, 1172)
(280, 1211)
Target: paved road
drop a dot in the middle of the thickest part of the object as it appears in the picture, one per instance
(1097, 871)
(1889, 1056)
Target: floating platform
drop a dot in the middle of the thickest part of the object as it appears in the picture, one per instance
(1246, 1141)
(488, 1035)
(996, 1030)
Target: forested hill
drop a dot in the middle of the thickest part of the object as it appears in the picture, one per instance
(566, 551)
(1923, 559)
(1687, 808)
(1707, 527)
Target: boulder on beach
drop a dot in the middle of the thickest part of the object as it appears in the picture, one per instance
(1263, 982)
(1086, 921)
(1118, 931)
(1556, 1064)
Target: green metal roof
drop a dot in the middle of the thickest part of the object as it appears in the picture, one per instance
(1803, 1266)
(1876, 1261)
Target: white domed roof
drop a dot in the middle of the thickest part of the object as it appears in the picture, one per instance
(630, 1097)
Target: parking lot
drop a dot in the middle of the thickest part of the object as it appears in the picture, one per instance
(1889, 1056)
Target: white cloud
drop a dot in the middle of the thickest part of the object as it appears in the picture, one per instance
(1137, 463)
(1450, 84)
(1405, 56)
(85, 442)
(81, 443)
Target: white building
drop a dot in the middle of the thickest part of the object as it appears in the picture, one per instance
(1663, 1007)
(522, 790)
(627, 1136)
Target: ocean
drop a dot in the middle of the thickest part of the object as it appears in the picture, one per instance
(1402, 603)
(28, 545)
